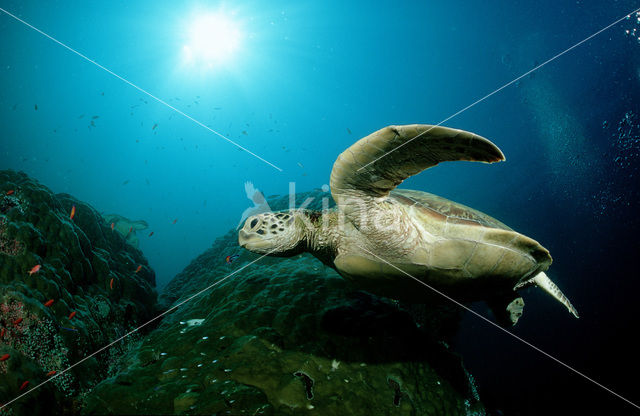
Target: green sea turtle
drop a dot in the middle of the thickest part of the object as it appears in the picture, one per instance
(126, 227)
(392, 242)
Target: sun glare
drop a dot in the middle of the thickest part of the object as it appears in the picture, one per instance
(212, 40)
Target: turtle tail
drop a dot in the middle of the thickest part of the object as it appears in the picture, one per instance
(543, 281)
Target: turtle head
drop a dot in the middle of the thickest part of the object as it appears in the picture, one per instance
(275, 233)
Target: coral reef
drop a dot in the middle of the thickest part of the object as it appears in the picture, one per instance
(285, 337)
(9, 246)
(56, 301)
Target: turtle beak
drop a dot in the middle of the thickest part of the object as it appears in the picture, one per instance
(253, 242)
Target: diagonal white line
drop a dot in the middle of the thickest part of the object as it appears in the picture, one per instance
(504, 86)
(138, 328)
(503, 330)
(140, 89)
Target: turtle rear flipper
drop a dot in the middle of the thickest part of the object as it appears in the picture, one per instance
(507, 309)
(542, 281)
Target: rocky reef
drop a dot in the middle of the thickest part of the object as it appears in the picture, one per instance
(268, 336)
(69, 285)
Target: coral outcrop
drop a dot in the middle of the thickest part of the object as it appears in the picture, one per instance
(68, 287)
(269, 336)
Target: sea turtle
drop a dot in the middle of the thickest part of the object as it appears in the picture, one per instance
(126, 227)
(394, 242)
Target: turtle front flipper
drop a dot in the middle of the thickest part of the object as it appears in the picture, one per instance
(376, 164)
(507, 308)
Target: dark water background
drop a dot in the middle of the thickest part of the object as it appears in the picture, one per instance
(308, 80)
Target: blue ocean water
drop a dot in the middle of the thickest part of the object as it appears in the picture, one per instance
(305, 81)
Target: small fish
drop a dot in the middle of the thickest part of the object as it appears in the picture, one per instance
(348, 131)
(48, 303)
(25, 384)
(51, 373)
(93, 123)
(81, 115)
(72, 314)
(111, 284)
(130, 230)
(69, 329)
(154, 126)
(125, 182)
(17, 321)
(244, 132)
(230, 259)
(73, 212)
(36, 107)
(138, 269)
(151, 233)
(300, 164)
(95, 117)
(113, 224)
(10, 192)
(2, 332)
(175, 221)
(4, 357)
(35, 269)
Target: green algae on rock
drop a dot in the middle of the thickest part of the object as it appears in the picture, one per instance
(78, 259)
(284, 337)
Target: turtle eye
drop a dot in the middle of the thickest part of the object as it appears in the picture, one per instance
(253, 223)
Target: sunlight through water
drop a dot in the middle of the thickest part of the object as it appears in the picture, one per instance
(212, 40)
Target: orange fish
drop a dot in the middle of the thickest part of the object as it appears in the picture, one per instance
(151, 233)
(48, 303)
(35, 269)
(113, 224)
(10, 192)
(25, 384)
(2, 332)
(138, 269)
(73, 212)
(175, 221)
(230, 259)
(50, 373)
(4, 357)
(111, 284)
(72, 314)
(17, 321)
(130, 229)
